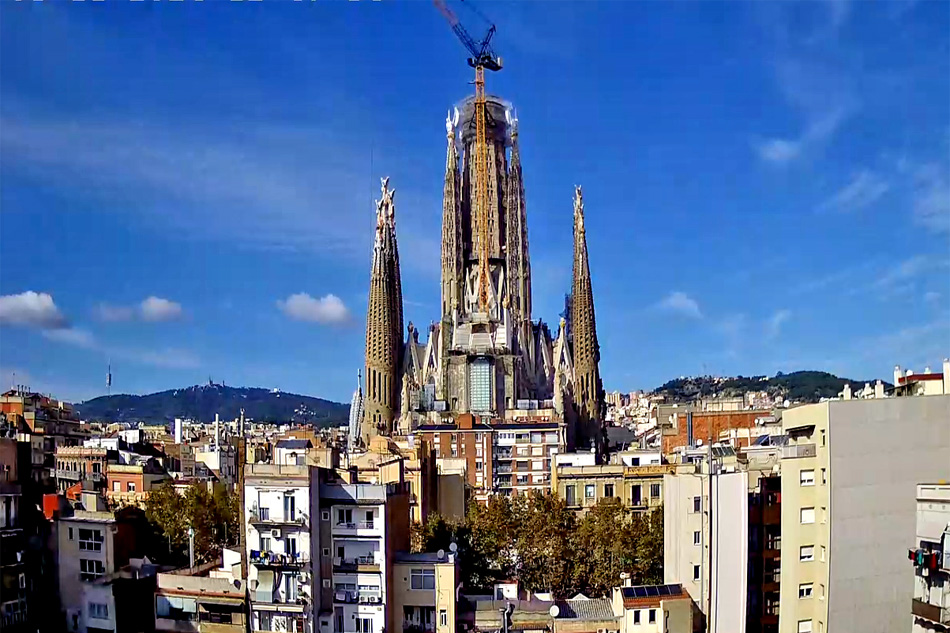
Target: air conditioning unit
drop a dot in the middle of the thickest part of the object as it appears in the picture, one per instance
(275, 533)
(364, 599)
(373, 599)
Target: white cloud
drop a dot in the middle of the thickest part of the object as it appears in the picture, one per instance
(112, 313)
(931, 198)
(34, 309)
(820, 128)
(774, 325)
(159, 309)
(74, 337)
(864, 189)
(779, 150)
(903, 271)
(303, 307)
(681, 303)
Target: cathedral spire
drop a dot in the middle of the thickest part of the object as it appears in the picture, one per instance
(356, 411)
(588, 390)
(518, 264)
(383, 324)
(452, 269)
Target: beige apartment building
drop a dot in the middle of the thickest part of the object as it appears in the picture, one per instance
(423, 597)
(639, 488)
(849, 476)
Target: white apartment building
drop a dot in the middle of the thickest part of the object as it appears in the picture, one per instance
(522, 455)
(930, 558)
(362, 526)
(277, 505)
(706, 536)
(849, 474)
(87, 551)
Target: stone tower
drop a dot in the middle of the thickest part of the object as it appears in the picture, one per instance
(383, 325)
(588, 390)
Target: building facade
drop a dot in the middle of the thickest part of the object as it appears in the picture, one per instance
(639, 488)
(930, 558)
(423, 599)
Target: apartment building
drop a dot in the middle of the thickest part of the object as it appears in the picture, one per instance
(423, 599)
(362, 527)
(927, 383)
(88, 465)
(279, 533)
(468, 444)
(91, 545)
(849, 474)
(14, 575)
(418, 468)
(130, 484)
(639, 488)
(653, 609)
(930, 558)
(200, 604)
(688, 426)
(765, 544)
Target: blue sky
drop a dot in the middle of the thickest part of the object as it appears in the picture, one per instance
(186, 188)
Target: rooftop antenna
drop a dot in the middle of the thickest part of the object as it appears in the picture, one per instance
(109, 379)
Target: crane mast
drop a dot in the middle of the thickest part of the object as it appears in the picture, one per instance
(482, 57)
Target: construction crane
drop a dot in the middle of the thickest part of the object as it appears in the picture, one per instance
(483, 58)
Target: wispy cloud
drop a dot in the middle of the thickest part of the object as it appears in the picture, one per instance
(31, 309)
(784, 150)
(681, 303)
(773, 326)
(864, 189)
(327, 310)
(73, 336)
(171, 358)
(903, 271)
(930, 197)
(153, 309)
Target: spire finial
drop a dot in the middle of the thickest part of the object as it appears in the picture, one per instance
(578, 206)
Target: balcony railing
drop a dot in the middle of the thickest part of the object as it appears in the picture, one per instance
(355, 562)
(503, 470)
(356, 525)
(931, 612)
(256, 518)
(357, 597)
(796, 451)
(275, 559)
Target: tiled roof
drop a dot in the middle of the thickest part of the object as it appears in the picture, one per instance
(591, 609)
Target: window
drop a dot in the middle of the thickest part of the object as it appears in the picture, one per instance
(90, 540)
(697, 504)
(824, 476)
(821, 592)
(325, 515)
(805, 590)
(326, 581)
(344, 517)
(804, 626)
(478, 465)
(422, 579)
(98, 611)
(116, 486)
(806, 553)
(70, 534)
(590, 491)
(443, 617)
(326, 551)
(655, 491)
(290, 508)
(265, 514)
(479, 385)
(822, 443)
(696, 537)
(131, 486)
(807, 478)
(807, 515)
(368, 519)
(89, 570)
(695, 572)
(822, 550)
(265, 543)
(635, 496)
(364, 625)
(652, 616)
(608, 490)
(636, 617)
(175, 608)
(570, 495)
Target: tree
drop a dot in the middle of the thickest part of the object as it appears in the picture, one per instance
(214, 516)
(545, 550)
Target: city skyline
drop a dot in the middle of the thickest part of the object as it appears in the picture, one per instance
(202, 204)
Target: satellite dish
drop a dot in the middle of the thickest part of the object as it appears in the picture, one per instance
(453, 547)
(441, 554)
(554, 611)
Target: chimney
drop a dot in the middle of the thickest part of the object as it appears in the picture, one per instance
(898, 374)
(879, 389)
(927, 369)
(846, 394)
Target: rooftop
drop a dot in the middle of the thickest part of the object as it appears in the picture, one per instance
(294, 444)
(423, 557)
(585, 609)
(651, 595)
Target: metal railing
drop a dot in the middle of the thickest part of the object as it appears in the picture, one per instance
(300, 519)
(931, 612)
(356, 525)
(276, 559)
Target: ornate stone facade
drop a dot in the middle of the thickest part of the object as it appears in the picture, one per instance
(490, 359)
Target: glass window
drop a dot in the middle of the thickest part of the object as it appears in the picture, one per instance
(805, 590)
(696, 537)
(364, 625)
(89, 570)
(608, 490)
(807, 478)
(570, 495)
(806, 553)
(822, 553)
(652, 616)
(90, 540)
(131, 486)
(635, 499)
(807, 515)
(697, 504)
(443, 617)
(695, 572)
(804, 626)
(824, 476)
(655, 491)
(98, 611)
(636, 617)
(590, 491)
(479, 385)
(422, 579)
(70, 534)
(116, 486)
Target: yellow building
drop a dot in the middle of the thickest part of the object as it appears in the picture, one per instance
(418, 470)
(423, 595)
(640, 488)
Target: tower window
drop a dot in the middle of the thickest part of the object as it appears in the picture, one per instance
(479, 385)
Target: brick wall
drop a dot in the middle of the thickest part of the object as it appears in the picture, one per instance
(710, 423)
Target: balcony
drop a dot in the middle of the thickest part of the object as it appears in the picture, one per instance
(357, 597)
(279, 520)
(798, 451)
(503, 454)
(278, 561)
(357, 563)
(932, 612)
(503, 469)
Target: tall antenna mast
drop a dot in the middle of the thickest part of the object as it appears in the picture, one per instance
(109, 379)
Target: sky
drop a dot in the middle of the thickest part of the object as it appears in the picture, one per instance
(186, 188)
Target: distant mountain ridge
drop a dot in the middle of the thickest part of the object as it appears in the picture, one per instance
(798, 386)
(202, 402)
